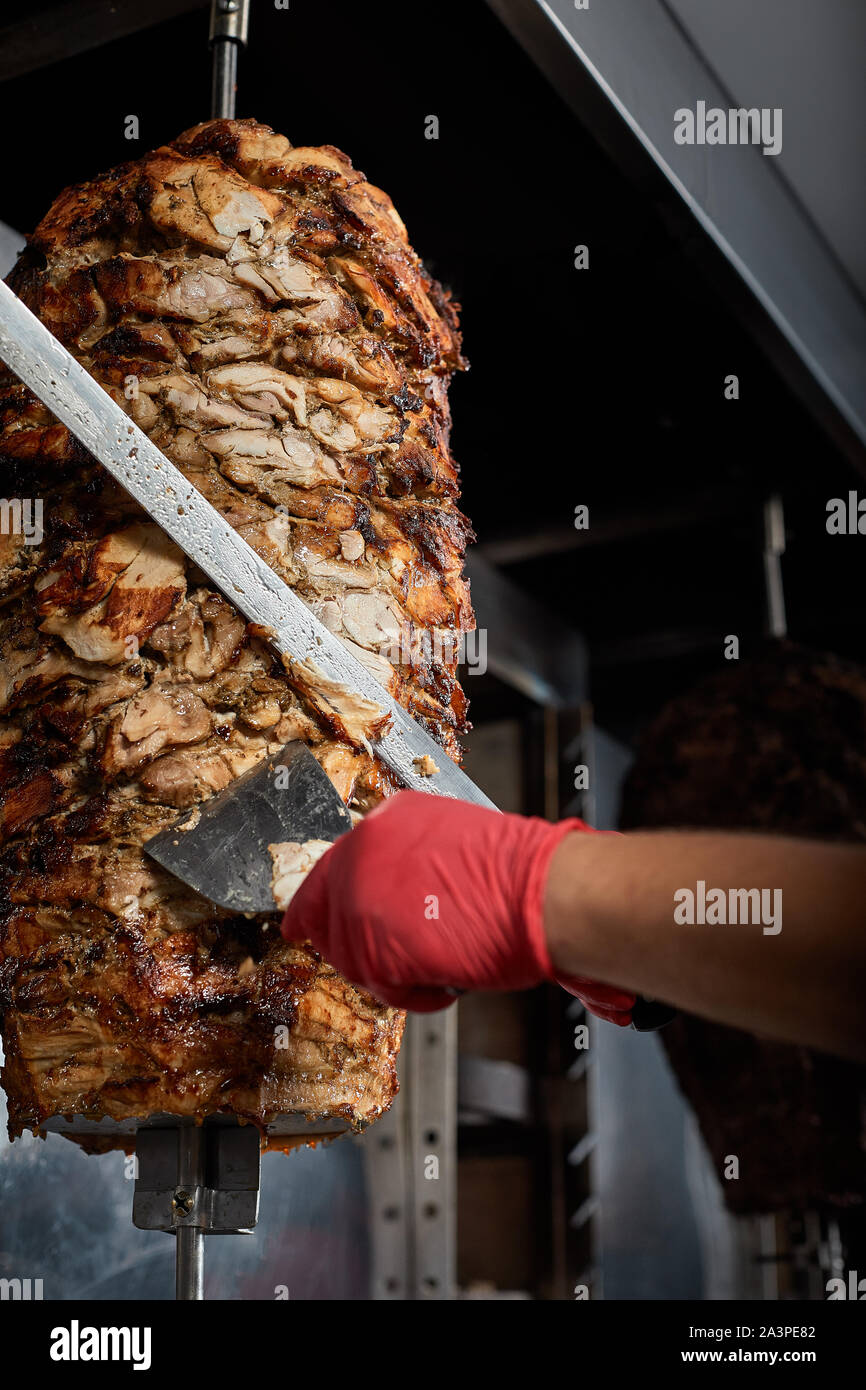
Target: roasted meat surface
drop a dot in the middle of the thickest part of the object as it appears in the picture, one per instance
(257, 309)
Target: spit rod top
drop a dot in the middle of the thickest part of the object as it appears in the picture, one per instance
(229, 29)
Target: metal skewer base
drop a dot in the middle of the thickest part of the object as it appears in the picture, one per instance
(196, 1180)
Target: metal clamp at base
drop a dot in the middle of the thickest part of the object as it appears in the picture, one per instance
(196, 1180)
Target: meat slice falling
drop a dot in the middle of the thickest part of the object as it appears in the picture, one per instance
(258, 310)
(292, 862)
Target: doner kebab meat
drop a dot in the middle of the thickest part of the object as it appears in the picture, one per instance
(258, 311)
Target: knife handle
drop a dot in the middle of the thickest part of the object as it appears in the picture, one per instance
(649, 1015)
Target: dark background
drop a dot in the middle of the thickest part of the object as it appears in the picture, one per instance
(602, 387)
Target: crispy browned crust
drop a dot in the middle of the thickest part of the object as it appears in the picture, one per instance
(258, 310)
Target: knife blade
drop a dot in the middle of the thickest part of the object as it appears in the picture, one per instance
(32, 352)
(222, 851)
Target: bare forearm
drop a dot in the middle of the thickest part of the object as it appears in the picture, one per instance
(610, 915)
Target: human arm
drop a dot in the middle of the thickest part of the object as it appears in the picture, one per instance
(609, 913)
(428, 894)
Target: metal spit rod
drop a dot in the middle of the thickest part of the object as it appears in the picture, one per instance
(774, 549)
(189, 1254)
(229, 28)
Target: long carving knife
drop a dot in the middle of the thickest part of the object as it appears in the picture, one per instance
(61, 383)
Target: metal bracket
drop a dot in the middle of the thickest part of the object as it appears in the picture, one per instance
(432, 1150)
(196, 1180)
(411, 1168)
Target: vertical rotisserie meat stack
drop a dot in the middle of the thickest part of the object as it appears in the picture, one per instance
(259, 312)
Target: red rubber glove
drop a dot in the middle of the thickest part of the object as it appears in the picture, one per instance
(428, 895)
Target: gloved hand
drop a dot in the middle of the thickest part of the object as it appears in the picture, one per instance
(428, 896)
